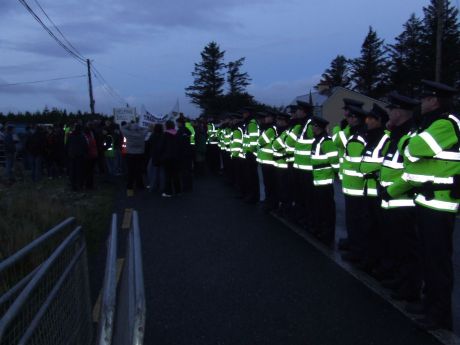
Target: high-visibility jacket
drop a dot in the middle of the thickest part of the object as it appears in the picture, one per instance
(250, 137)
(393, 166)
(432, 158)
(227, 139)
(340, 137)
(325, 160)
(353, 179)
(280, 150)
(108, 147)
(302, 152)
(212, 134)
(291, 141)
(191, 129)
(236, 146)
(371, 164)
(265, 143)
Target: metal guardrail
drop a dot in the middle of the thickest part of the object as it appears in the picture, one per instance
(54, 306)
(127, 325)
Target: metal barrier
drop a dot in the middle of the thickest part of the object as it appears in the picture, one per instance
(54, 305)
(126, 326)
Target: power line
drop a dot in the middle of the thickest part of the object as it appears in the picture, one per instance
(110, 90)
(58, 41)
(42, 81)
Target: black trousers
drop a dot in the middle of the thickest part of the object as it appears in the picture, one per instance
(372, 230)
(172, 177)
(213, 157)
(77, 172)
(90, 165)
(281, 189)
(269, 176)
(186, 173)
(436, 233)
(323, 215)
(401, 243)
(354, 219)
(304, 194)
(135, 166)
(251, 178)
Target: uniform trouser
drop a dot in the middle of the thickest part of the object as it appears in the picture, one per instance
(251, 178)
(436, 231)
(239, 173)
(225, 162)
(304, 193)
(213, 156)
(323, 212)
(281, 188)
(269, 177)
(402, 247)
(372, 229)
(354, 219)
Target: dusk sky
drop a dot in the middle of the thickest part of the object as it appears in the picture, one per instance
(146, 49)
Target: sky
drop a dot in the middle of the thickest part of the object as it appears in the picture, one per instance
(145, 50)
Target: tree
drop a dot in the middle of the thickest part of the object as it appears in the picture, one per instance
(208, 78)
(407, 58)
(369, 71)
(237, 81)
(450, 71)
(338, 73)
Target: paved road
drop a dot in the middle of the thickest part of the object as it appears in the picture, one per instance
(218, 271)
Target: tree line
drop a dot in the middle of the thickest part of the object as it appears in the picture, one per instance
(47, 115)
(380, 68)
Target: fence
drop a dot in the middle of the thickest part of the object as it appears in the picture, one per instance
(122, 319)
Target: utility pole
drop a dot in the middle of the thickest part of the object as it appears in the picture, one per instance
(439, 32)
(90, 83)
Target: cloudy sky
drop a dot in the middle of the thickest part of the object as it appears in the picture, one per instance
(146, 49)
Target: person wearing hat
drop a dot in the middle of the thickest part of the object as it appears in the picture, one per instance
(250, 176)
(325, 163)
(401, 264)
(432, 167)
(302, 169)
(353, 185)
(265, 157)
(280, 155)
(377, 141)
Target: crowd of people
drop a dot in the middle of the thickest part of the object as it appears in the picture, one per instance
(398, 168)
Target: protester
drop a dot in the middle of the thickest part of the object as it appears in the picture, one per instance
(77, 149)
(135, 146)
(170, 160)
(155, 170)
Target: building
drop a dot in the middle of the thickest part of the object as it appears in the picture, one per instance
(329, 103)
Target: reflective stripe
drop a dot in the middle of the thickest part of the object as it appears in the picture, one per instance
(293, 136)
(437, 204)
(393, 165)
(335, 136)
(372, 192)
(336, 166)
(305, 141)
(323, 182)
(303, 167)
(382, 142)
(352, 173)
(343, 138)
(434, 146)
(353, 159)
(266, 150)
(321, 169)
(265, 137)
(281, 165)
(450, 156)
(385, 184)
(302, 152)
(409, 156)
(427, 178)
(398, 203)
(368, 159)
(266, 161)
(281, 142)
(332, 154)
(238, 141)
(290, 159)
(354, 192)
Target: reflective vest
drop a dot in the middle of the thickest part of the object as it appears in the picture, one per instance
(265, 142)
(371, 164)
(108, 146)
(227, 139)
(280, 150)
(250, 137)
(291, 141)
(189, 126)
(353, 179)
(123, 145)
(236, 146)
(302, 152)
(325, 160)
(212, 134)
(340, 138)
(432, 158)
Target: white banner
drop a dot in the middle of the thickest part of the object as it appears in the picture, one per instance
(124, 114)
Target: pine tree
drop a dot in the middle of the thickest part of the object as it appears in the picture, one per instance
(208, 78)
(406, 58)
(237, 81)
(338, 74)
(369, 71)
(450, 72)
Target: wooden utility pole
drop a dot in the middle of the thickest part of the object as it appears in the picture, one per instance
(90, 83)
(439, 34)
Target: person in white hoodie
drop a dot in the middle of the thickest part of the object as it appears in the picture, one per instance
(135, 147)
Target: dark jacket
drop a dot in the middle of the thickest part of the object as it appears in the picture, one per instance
(169, 147)
(36, 143)
(77, 145)
(185, 148)
(155, 145)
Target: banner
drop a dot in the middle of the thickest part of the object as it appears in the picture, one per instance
(124, 114)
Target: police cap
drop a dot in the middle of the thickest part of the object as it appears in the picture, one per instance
(435, 89)
(352, 102)
(304, 105)
(398, 101)
(378, 113)
(319, 121)
(357, 111)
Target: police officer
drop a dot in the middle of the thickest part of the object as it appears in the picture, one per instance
(432, 166)
(251, 133)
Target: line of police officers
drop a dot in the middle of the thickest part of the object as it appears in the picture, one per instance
(400, 176)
